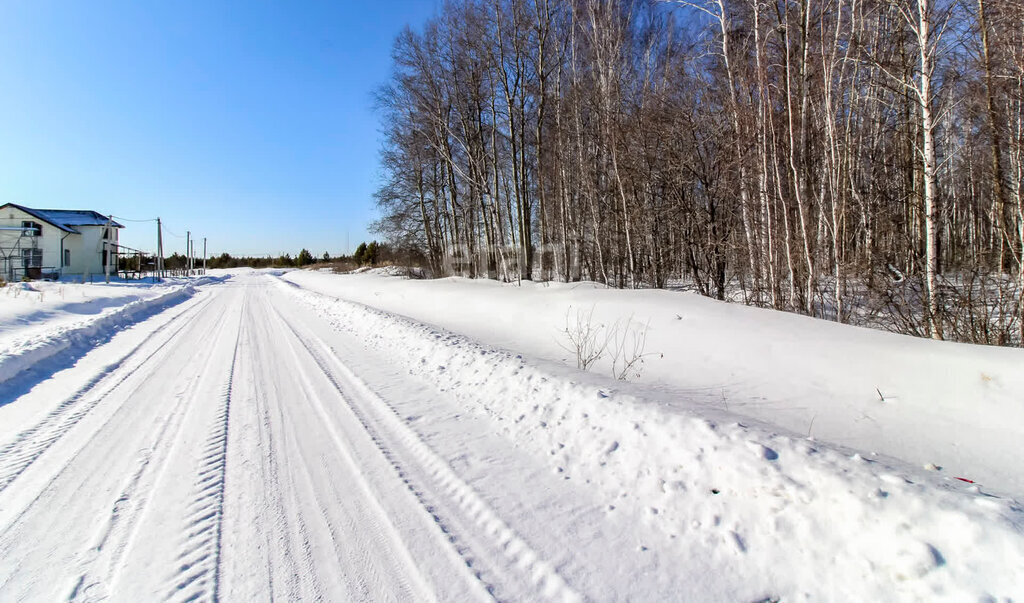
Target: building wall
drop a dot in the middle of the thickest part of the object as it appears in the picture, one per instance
(87, 251)
(48, 241)
(86, 248)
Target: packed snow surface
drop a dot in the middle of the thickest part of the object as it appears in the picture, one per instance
(364, 437)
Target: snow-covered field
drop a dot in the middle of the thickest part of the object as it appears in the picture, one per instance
(256, 436)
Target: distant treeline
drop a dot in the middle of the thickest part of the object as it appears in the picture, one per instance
(226, 260)
(366, 254)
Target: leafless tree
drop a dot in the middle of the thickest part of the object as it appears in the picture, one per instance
(858, 160)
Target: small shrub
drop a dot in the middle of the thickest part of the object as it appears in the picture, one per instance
(589, 343)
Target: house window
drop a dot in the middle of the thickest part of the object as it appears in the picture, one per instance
(67, 257)
(32, 229)
(31, 258)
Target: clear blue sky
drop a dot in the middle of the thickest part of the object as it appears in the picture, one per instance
(248, 122)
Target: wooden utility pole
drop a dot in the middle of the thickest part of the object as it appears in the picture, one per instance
(107, 250)
(204, 255)
(188, 253)
(159, 250)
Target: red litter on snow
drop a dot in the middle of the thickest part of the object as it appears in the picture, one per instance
(964, 479)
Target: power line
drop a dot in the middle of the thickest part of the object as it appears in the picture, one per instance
(127, 220)
(168, 230)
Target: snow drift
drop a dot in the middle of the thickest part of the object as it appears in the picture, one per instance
(21, 353)
(954, 407)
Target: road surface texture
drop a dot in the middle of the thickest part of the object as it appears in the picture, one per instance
(236, 447)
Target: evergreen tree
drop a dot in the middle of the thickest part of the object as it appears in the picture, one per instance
(358, 256)
(372, 253)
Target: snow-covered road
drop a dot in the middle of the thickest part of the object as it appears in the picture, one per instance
(224, 449)
(244, 445)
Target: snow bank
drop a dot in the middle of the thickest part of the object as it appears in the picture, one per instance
(399, 271)
(774, 515)
(956, 407)
(19, 351)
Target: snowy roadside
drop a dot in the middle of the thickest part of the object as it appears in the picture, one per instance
(951, 407)
(44, 319)
(810, 519)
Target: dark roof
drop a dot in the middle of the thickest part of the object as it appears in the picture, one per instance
(67, 219)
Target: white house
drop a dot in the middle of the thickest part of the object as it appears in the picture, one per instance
(48, 243)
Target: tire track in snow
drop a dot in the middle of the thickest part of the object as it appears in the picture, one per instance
(19, 454)
(299, 559)
(273, 531)
(376, 526)
(270, 472)
(103, 562)
(504, 562)
(198, 573)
